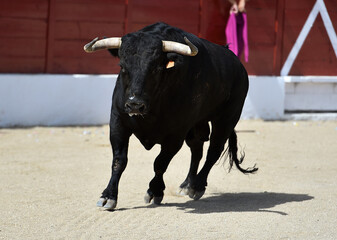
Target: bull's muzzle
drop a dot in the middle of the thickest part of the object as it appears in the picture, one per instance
(135, 107)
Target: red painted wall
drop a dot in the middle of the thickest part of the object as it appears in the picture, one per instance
(23, 31)
(316, 56)
(47, 36)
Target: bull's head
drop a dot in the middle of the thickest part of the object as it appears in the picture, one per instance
(143, 65)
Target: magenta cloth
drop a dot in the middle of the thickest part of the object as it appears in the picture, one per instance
(237, 34)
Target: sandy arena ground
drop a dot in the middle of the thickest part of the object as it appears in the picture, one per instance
(51, 178)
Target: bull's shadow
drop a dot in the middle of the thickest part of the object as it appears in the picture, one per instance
(239, 202)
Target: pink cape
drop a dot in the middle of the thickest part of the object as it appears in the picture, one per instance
(237, 34)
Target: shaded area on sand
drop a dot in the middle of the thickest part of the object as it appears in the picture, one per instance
(234, 202)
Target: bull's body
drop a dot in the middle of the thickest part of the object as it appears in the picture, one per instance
(166, 106)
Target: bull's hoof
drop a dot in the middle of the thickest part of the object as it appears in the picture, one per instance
(110, 204)
(149, 196)
(157, 200)
(198, 195)
(101, 202)
(195, 195)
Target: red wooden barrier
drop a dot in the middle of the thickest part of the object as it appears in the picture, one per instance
(23, 29)
(47, 36)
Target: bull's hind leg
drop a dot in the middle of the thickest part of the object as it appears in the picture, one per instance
(195, 140)
(157, 185)
(221, 130)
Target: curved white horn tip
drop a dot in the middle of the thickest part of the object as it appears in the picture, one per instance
(88, 47)
(194, 49)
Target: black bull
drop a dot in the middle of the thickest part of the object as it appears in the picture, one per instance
(167, 95)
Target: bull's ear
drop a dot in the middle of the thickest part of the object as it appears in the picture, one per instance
(114, 52)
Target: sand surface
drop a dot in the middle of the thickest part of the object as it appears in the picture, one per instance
(51, 178)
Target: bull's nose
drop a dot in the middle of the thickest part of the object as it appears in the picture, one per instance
(135, 107)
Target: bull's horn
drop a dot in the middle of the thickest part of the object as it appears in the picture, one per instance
(187, 50)
(107, 43)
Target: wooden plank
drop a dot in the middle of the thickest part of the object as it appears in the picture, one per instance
(163, 2)
(97, 2)
(21, 65)
(174, 16)
(192, 28)
(22, 47)
(182, 14)
(19, 27)
(260, 4)
(260, 35)
(306, 67)
(113, 11)
(87, 30)
(70, 65)
(213, 20)
(75, 24)
(300, 4)
(332, 10)
(199, 18)
(50, 36)
(23, 31)
(260, 60)
(186, 5)
(128, 16)
(34, 9)
(204, 16)
(279, 30)
(216, 34)
(172, 11)
(296, 17)
(261, 17)
(170, 16)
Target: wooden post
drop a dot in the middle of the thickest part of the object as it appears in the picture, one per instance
(279, 29)
(200, 18)
(126, 20)
(50, 36)
(128, 17)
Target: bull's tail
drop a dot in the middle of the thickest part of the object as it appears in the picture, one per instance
(232, 155)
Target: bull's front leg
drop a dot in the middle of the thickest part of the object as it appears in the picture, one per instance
(119, 140)
(157, 185)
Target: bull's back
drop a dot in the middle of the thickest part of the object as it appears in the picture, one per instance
(224, 75)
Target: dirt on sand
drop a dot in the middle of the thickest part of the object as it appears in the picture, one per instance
(51, 178)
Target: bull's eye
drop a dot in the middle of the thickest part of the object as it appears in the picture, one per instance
(123, 70)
